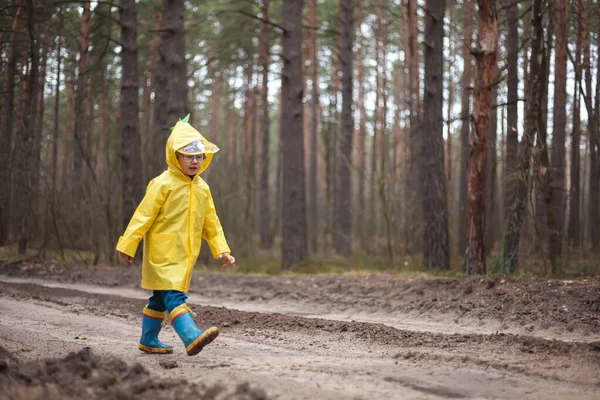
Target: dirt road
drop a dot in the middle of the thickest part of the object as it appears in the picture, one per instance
(326, 337)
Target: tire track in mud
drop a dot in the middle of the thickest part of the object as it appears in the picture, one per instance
(296, 342)
(247, 301)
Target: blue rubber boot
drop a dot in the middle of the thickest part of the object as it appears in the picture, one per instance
(194, 339)
(151, 324)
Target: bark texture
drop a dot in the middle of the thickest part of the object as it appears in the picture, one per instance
(343, 190)
(294, 241)
(129, 126)
(532, 114)
(433, 186)
(485, 73)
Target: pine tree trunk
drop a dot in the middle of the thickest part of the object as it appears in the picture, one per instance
(592, 203)
(81, 93)
(266, 235)
(414, 196)
(343, 189)
(543, 232)
(248, 151)
(314, 141)
(485, 57)
(294, 240)
(160, 122)
(467, 78)
(450, 104)
(362, 131)
(595, 155)
(10, 72)
(534, 108)
(574, 232)
(491, 172)
(433, 189)
(130, 131)
(174, 43)
(558, 160)
(511, 167)
(53, 151)
(24, 177)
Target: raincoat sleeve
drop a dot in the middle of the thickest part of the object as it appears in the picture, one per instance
(143, 218)
(213, 231)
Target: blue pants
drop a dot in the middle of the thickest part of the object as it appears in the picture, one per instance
(166, 300)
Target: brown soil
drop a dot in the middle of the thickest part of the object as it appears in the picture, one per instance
(87, 375)
(354, 336)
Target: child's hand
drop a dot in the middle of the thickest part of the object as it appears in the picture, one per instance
(229, 259)
(126, 257)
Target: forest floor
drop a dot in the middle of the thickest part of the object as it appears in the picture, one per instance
(72, 332)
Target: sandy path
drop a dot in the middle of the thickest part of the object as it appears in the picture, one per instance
(288, 364)
(397, 320)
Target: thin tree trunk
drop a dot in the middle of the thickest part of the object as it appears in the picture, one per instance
(248, 151)
(433, 189)
(485, 57)
(574, 232)
(450, 105)
(491, 175)
(10, 73)
(81, 92)
(343, 189)
(130, 131)
(516, 213)
(266, 235)
(294, 241)
(53, 152)
(467, 78)
(595, 155)
(160, 123)
(174, 42)
(415, 199)
(25, 177)
(314, 117)
(511, 165)
(558, 166)
(362, 130)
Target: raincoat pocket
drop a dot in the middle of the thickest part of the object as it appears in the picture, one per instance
(162, 248)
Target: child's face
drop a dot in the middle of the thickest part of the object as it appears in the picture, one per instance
(190, 164)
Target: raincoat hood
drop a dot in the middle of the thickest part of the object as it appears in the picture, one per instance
(184, 134)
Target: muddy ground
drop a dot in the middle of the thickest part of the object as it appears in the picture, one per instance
(71, 332)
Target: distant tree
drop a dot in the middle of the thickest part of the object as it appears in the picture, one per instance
(491, 212)
(512, 133)
(433, 186)
(294, 241)
(532, 115)
(559, 123)
(414, 94)
(314, 133)
(79, 144)
(343, 190)
(575, 193)
(594, 125)
(467, 78)
(266, 234)
(361, 149)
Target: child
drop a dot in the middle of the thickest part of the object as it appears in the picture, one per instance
(173, 217)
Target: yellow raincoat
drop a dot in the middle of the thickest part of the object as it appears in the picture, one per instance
(173, 217)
